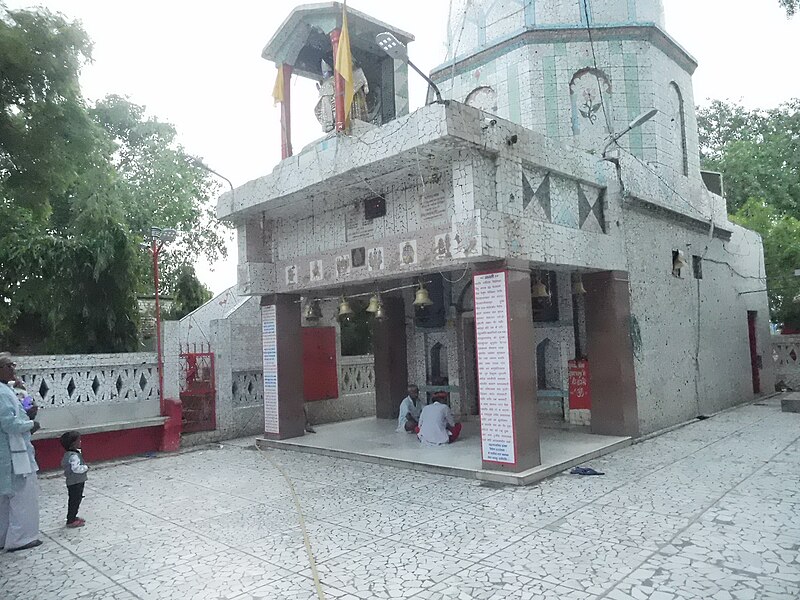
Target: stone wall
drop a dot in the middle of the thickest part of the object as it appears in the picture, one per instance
(689, 334)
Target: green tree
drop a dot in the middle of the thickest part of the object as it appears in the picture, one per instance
(791, 6)
(757, 151)
(162, 186)
(77, 188)
(781, 235)
(190, 293)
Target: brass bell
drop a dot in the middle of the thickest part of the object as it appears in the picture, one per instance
(374, 303)
(313, 310)
(380, 313)
(422, 298)
(577, 286)
(540, 291)
(344, 308)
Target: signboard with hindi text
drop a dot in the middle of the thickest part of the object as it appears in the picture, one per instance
(494, 368)
(269, 340)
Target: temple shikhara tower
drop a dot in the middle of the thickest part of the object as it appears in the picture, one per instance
(539, 245)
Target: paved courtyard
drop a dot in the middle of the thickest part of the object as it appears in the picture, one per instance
(709, 511)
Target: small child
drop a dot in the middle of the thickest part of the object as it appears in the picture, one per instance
(75, 472)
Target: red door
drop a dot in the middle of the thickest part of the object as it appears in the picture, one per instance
(320, 373)
(755, 359)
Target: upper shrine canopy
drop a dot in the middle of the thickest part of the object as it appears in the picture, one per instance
(303, 40)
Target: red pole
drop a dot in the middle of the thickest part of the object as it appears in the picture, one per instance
(156, 248)
(286, 112)
(338, 82)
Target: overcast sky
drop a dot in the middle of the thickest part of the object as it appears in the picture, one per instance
(198, 65)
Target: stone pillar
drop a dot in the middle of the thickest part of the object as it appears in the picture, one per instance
(610, 350)
(286, 111)
(507, 369)
(283, 366)
(391, 363)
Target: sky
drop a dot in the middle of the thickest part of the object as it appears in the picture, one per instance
(198, 65)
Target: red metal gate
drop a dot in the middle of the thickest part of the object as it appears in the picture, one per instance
(198, 388)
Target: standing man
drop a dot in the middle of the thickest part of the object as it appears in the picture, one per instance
(436, 423)
(19, 488)
(410, 409)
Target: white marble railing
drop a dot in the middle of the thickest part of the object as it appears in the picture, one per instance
(90, 379)
(786, 356)
(356, 375)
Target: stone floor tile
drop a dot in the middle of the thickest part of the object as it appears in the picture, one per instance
(581, 564)
(482, 583)
(385, 517)
(140, 557)
(218, 576)
(287, 547)
(749, 550)
(682, 578)
(387, 569)
(294, 587)
(473, 537)
(686, 501)
(609, 523)
(527, 507)
(753, 512)
(49, 571)
(244, 526)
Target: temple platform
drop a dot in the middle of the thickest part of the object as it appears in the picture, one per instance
(375, 440)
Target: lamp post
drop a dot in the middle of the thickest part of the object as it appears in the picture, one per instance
(158, 239)
(398, 51)
(637, 122)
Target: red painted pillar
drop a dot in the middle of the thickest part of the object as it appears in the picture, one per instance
(338, 81)
(286, 113)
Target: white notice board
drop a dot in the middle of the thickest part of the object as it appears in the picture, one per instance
(494, 368)
(269, 340)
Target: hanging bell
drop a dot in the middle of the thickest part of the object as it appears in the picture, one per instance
(540, 291)
(374, 303)
(577, 287)
(380, 313)
(313, 310)
(344, 308)
(422, 298)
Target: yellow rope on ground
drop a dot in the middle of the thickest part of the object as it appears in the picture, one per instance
(302, 519)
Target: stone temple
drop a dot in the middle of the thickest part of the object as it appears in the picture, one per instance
(581, 273)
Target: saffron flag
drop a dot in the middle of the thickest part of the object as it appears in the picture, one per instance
(277, 91)
(344, 66)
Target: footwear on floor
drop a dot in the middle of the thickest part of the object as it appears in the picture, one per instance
(76, 523)
(27, 546)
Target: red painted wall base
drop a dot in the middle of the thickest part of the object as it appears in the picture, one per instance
(106, 445)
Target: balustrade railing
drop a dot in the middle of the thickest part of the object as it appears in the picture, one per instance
(786, 356)
(89, 379)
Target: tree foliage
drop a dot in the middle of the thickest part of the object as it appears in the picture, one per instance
(758, 153)
(781, 235)
(791, 6)
(78, 186)
(190, 293)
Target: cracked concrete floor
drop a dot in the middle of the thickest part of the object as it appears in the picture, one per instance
(708, 511)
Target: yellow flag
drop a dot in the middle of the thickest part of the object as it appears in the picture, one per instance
(344, 66)
(277, 91)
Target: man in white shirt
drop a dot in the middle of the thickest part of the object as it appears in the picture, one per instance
(410, 409)
(436, 423)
